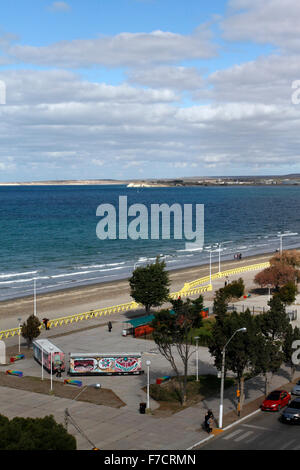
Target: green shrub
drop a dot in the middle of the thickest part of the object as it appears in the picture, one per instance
(235, 289)
(34, 434)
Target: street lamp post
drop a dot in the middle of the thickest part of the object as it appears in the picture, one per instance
(210, 252)
(51, 380)
(34, 297)
(222, 377)
(19, 322)
(219, 250)
(148, 364)
(42, 362)
(197, 376)
(269, 294)
(285, 234)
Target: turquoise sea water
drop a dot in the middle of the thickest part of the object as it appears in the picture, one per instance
(49, 232)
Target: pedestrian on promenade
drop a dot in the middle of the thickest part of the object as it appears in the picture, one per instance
(46, 323)
(109, 326)
(208, 421)
(58, 371)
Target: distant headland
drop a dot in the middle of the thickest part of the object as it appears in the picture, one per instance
(277, 180)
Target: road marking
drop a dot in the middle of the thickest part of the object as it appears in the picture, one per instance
(286, 444)
(256, 427)
(243, 436)
(234, 433)
(252, 438)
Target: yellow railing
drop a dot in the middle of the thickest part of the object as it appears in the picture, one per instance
(229, 272)
(192, 291)
(189, 288)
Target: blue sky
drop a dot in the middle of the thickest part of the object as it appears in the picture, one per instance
(148, 88)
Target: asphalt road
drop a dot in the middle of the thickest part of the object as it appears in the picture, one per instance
(262, 431)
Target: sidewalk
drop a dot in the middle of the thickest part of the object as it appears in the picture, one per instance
(125, 428)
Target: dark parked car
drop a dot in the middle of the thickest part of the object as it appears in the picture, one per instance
(292, 413)
(296, 389)
(276, 400)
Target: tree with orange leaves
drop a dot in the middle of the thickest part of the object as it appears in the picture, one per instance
(277, 275)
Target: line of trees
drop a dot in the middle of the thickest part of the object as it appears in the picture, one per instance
(263, 349)
(266, 345)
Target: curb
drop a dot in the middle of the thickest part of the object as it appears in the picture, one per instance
(224, 429)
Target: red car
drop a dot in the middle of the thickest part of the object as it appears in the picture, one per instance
(276, 400)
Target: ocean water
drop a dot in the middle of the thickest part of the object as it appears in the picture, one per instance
(48, 233)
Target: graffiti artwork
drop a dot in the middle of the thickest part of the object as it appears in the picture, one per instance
(105, 364)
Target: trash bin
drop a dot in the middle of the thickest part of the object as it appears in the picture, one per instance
(143, 408)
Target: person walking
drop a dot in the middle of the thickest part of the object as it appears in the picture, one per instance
(109, 326)
(208, 421)
(58, 371)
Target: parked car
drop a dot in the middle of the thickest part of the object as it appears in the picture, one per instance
(292, 413)
(296, 389)
(276, 400)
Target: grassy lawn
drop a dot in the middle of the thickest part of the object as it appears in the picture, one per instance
(168, 397)
(204, 332)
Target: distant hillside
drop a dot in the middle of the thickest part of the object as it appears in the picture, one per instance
(64, 182)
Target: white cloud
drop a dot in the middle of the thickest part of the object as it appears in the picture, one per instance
(60, 6)
(59, 86)
(274, 22)
(174, 77)
(70, 126)
(124, 49)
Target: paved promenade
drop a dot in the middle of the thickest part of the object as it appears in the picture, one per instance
(125, 428)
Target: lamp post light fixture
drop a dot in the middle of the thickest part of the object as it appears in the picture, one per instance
(51, 366)
(222, 249)
(269, 294)
(222, 375)
(285, 234)
(211, 250)
(42, 362)
(34, 297)
(148, 364)
(219, 249)
(210, 266)
(19, 323)
(197, 376)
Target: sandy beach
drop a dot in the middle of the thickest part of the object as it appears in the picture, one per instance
(82, 299)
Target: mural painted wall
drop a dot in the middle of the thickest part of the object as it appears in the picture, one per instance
(97, 364)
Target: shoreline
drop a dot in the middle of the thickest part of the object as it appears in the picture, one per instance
(67, 301)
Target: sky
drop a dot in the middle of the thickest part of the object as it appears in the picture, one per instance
(136, 89)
